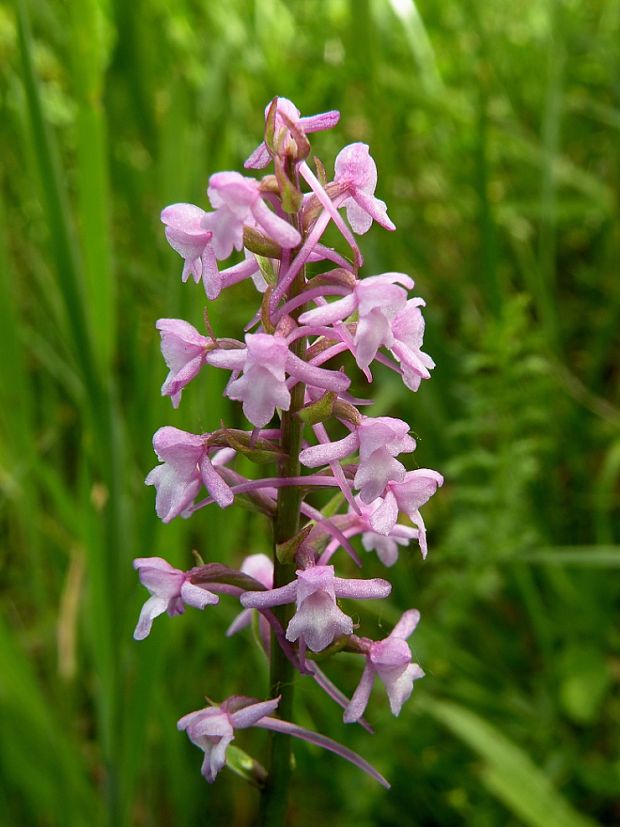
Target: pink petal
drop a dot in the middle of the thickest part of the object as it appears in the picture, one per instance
(329, 313)
(196, 596)
(317, 123)
(406, 625)
(323, 454)
(153, 607)
(273, 597)
(250, 715)
(374, 589)
(275, 227)
(361, 696)
(383, 519)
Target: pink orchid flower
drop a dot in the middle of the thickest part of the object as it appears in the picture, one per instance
(356, 173)
(187, 233)
(171, 590)
(379, 440)
(185, 467)
(213, 728)
(408, 332)
(390, 659)
(265, 362)
(184, 351)
(408, 496)
(318, 620)
(237, 201)
(378, 300)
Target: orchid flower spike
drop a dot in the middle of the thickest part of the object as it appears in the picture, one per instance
(185, 467)
(171, 590)
(284, 370)
(356, 172)
(390, 659)
(213, 728)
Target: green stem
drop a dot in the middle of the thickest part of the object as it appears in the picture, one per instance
(274, 798)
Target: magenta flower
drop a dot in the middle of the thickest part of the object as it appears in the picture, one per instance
(378, 300)
(379, 440)
(187, 233)
(312, 123)
(318, 620)
(185, 467)
(390, 659)
(408, 496)
(213, 728)
(356, 172)
(265, 361)
(184, 351)
(237, 201)
(170, 591)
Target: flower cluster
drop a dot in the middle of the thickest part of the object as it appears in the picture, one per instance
(278, 373)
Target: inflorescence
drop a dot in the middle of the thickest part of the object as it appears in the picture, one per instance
(304, 322)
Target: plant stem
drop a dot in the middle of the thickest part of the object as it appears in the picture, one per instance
(274, 798)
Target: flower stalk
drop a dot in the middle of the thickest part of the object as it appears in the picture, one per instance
(275, 793)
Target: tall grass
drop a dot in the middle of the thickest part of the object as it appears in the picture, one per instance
(495, 130)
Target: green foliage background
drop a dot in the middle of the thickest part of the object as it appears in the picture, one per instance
(495, 127)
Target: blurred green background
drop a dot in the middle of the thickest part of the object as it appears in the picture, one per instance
(495, 127)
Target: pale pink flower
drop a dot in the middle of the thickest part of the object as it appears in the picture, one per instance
(184, 351)
(171, 590)
(265, 362)
(187, 233)
(237, 201)
(318, 620)
(408, 496)
(213, 728)
(408, 331)
(282, 137)
(356, 172)
(379, 440)
(185, 467)
(378, 300)
(390, 659)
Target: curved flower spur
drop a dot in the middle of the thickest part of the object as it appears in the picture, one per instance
(293, 399)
